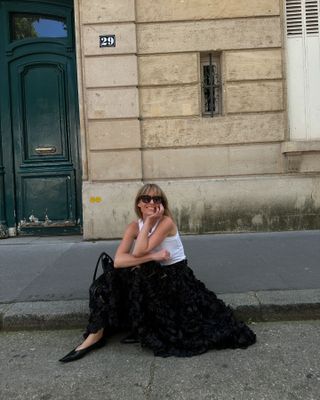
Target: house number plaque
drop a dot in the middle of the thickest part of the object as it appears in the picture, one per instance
(107, 40)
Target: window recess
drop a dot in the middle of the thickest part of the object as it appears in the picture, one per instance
(211, 84)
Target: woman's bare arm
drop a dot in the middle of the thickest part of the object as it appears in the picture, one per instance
(123, 257)
(145, 243)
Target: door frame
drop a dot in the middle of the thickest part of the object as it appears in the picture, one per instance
(6, 133)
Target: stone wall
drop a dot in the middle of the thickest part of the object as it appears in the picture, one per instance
(141, 116)
(110, 99)
(177, 141)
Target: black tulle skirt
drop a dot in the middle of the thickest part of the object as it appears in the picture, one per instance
(168, 309)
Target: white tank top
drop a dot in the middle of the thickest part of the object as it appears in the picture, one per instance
(172, 244)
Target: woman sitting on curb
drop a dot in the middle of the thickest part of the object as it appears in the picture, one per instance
(153, 293)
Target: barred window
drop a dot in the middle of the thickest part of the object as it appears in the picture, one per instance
(211, 84)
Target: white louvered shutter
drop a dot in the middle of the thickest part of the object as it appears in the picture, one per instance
(303, 68)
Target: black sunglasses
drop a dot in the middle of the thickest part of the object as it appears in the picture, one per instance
(145, 198)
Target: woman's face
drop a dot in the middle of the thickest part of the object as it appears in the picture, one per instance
(148, 208)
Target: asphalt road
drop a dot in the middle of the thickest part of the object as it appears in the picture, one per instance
(284, 364)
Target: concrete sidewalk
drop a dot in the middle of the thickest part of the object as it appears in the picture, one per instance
(282, 365)
(264, 276)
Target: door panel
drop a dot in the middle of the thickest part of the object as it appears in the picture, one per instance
(56, 208)
(42, 98)
(40, 91)
(40, 115)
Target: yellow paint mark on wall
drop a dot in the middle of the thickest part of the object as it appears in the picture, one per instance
(95, 199)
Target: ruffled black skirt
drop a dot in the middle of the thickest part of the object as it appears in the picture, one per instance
(168, 309)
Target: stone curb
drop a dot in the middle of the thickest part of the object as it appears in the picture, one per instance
(275, 305)
(44, 315)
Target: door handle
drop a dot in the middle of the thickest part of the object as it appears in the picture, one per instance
(46, 150)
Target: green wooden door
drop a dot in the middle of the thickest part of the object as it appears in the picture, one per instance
(41, 129)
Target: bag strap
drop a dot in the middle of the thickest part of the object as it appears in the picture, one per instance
(102, 256)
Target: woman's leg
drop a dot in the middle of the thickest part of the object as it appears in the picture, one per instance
(91, 339)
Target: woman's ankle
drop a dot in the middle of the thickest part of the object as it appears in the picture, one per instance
(91, 339)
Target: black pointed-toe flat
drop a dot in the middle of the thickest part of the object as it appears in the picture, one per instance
(77, 354)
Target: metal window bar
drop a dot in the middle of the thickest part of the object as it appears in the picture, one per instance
(211, 89)
(211, 84)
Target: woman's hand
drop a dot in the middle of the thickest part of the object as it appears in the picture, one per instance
(161, 255)
(156, 216)
(160, 227)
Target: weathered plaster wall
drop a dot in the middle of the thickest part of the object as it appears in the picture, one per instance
(211, 205)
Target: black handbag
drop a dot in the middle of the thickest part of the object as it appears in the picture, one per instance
(103, 297)
(98, 285)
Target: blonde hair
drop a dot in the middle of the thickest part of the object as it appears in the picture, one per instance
(146, 189)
